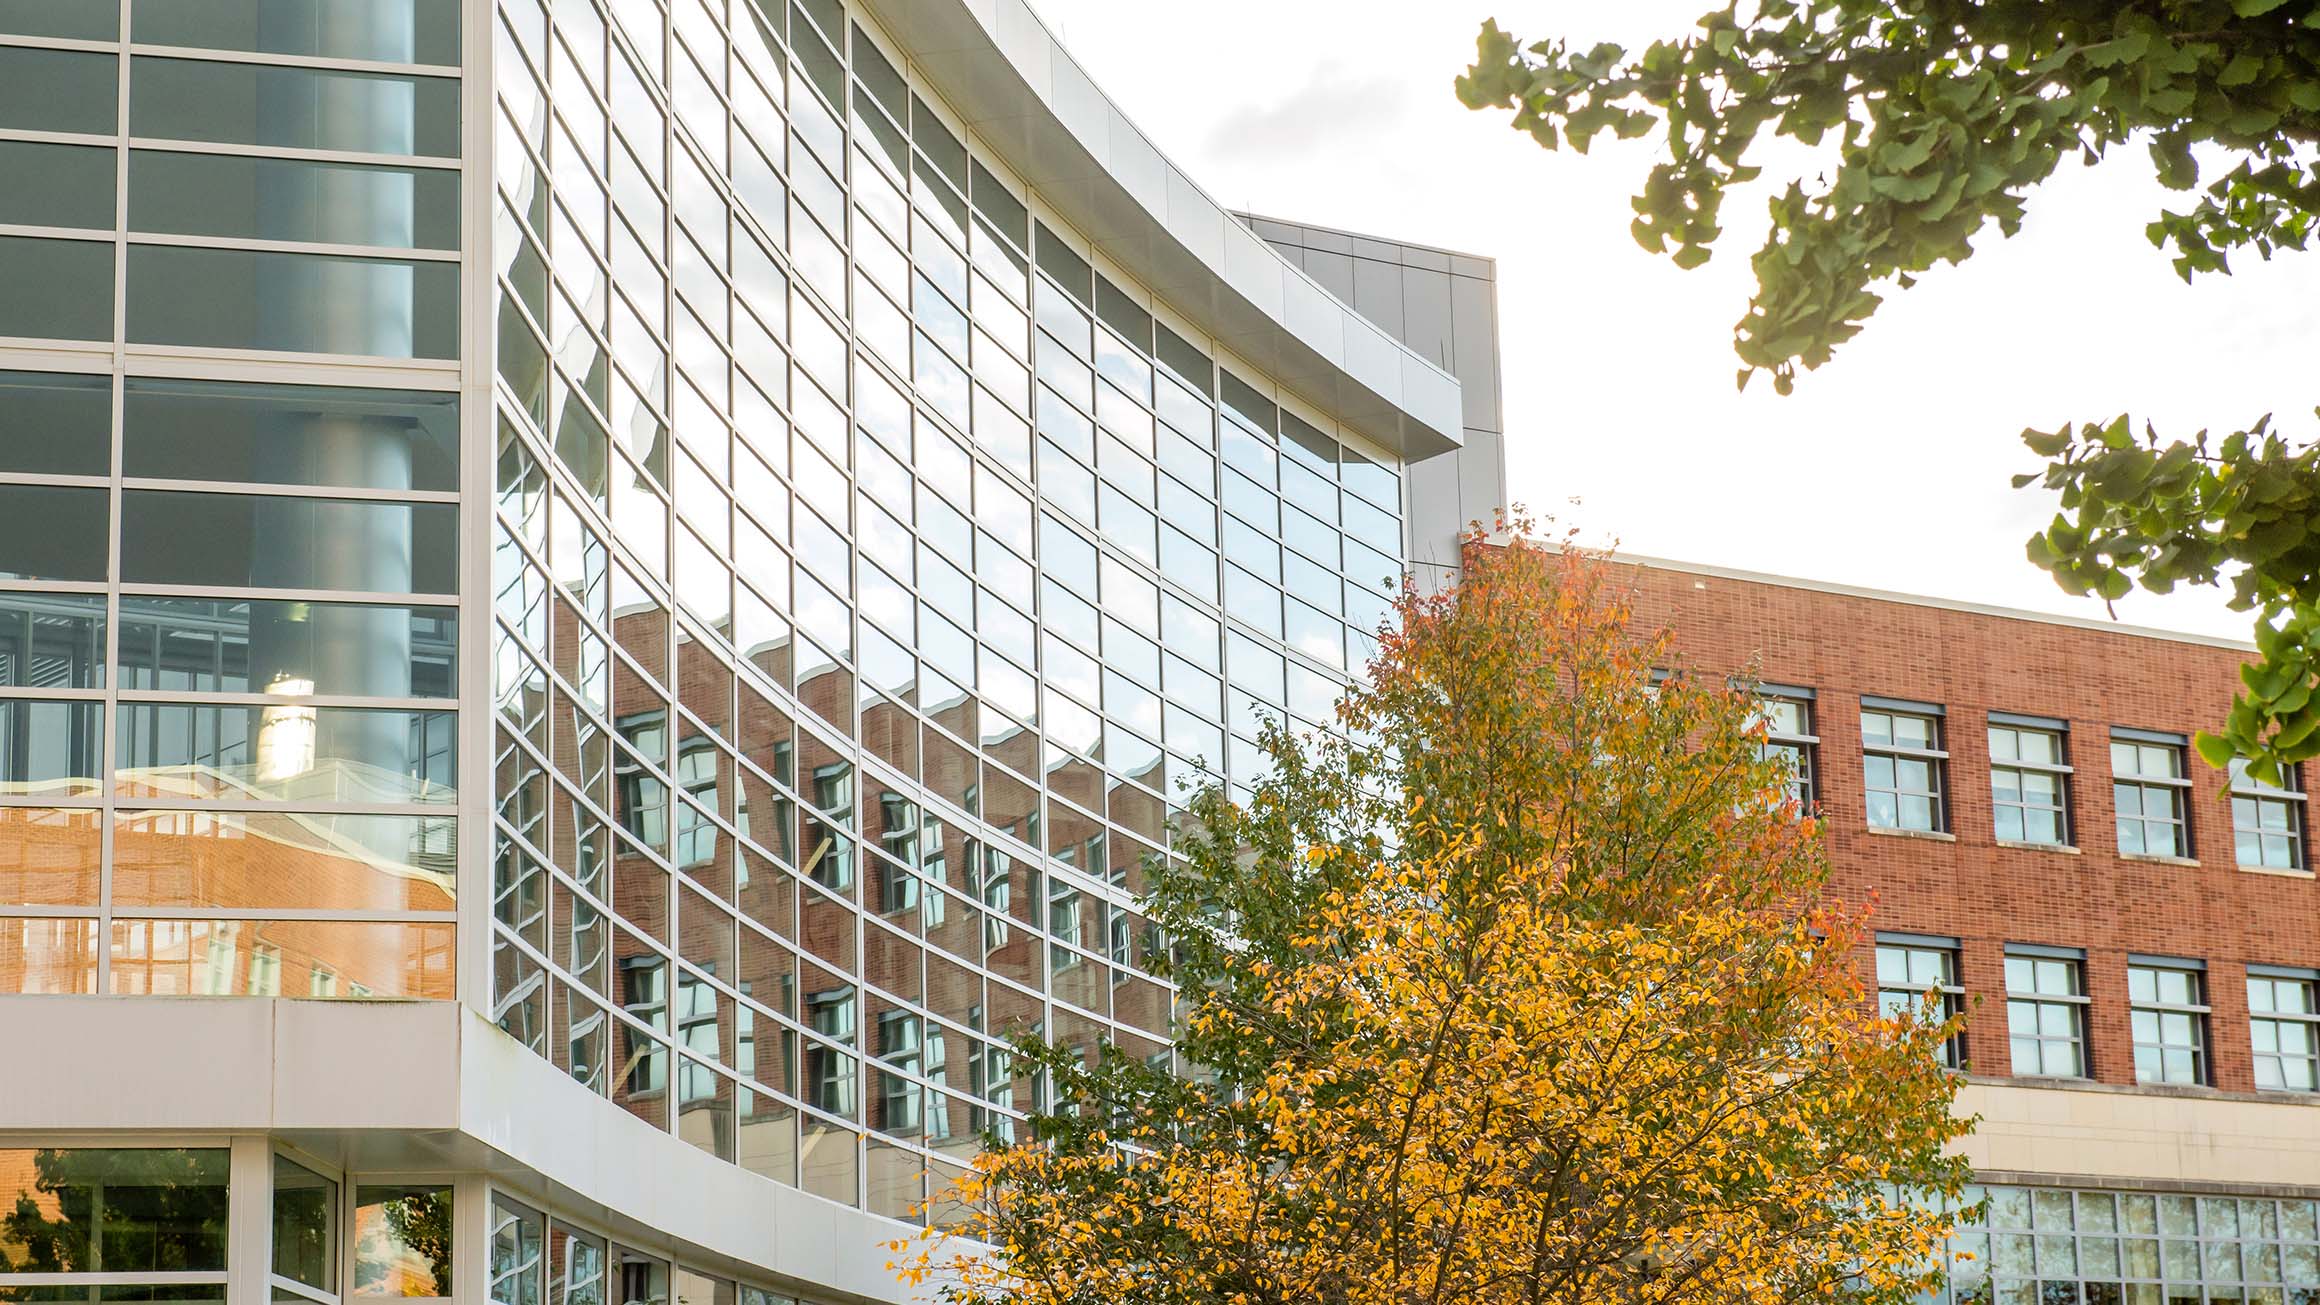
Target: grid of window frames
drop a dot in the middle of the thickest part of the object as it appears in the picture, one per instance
(860, 600)
(2057, 1246)
(2284, 1028)
(2167, 1007)
(536, 1258)
(2267, 820)
(228, 621)
(2029, 781)
(1912, 971)
(2046, 1013)
(2150, 791)
(1902, 764)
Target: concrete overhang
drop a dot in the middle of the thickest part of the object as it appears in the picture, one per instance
(417, 1087)
(1028, 99)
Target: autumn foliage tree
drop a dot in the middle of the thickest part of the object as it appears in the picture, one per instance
(1925, 125)
(1531, 996)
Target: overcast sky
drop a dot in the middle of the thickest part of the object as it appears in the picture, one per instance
(1887, 468)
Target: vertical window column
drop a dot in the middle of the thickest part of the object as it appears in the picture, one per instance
(2267, 820)
(1787, 714)
(2167, 1003)
(1908, 968)
(2284, 1027)
(2148, 787)
(2046, 1011)
(2029, 780)
(1902, 764)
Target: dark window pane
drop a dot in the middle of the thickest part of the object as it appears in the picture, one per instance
(73, 20)
(304, 108)
(56, 423)
(59, 90)
(201, 645)
(237, 299)
(143, 1211)
(52, 641)
(289, 543)
(289, 199)
(49, 748)
(56, 185)
(398, 31)
(290, 434)
(305, 1225)
(56, 289)
(51, 532)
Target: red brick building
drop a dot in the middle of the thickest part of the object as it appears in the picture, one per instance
(2134, 936)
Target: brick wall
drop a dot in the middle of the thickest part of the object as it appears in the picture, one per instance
(1969, 887)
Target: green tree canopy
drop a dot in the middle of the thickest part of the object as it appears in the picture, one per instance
(1939, 117)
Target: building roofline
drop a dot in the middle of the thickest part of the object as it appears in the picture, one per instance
(1032, 104)
(1927, 600)
(1326, 229)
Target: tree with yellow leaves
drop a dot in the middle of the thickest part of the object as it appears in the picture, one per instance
(1532, 993)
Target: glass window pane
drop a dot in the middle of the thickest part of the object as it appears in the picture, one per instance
(285, 199)
(57, 289)
(59, 90)
(72, 20)
(278, 861)
(396, 31)
(49, 748)
(169, 537)
(307, 303)
(290, 434)
(54, 641)
(301, 108)
(288, 750)
(48, 858)
(279, 958)
(56, 185)
(142, 1210)
(305, 1222)
(402, 1241)
(227, 646)
(55, 423)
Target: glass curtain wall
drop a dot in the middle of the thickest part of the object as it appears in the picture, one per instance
(228, 547)
(870, 572)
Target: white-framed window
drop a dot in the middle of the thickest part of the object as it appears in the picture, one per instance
(2029, 780)
(2267, 820)
(2284, 1028)
(2149, 787)
(1787, 715)
(1902, 764)
(2167, 1005)
(2046, 1012)
(1909, 967)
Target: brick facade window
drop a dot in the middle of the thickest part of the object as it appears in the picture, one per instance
(2029, 781)
(1902, 765)
(2149, 787)
(1909, 967)
(2167, 1005)
(2284, 1028)
(1789, 738)
(2267, 820)
(2046, 1013)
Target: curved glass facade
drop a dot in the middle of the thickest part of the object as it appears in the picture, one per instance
(870, 573)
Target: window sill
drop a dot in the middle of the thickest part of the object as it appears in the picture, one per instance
(1929, 835)
(2277, 872)
(2020, 846)
(2148, 859)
